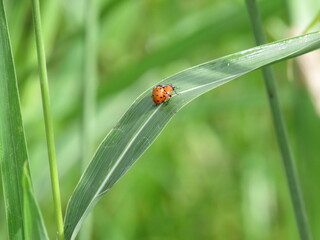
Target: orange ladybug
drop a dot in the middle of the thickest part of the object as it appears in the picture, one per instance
(162, 93)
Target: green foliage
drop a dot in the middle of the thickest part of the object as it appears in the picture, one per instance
(213, 166)
(24, 219)
(13, 152)
(48, 120)
(281, 129)
(34, 227)
(143, 122)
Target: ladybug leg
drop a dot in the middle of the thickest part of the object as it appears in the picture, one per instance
(175, 90)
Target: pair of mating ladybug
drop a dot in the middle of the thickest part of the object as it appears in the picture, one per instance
(162, 93)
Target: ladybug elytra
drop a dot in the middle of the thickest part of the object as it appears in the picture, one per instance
(162, 93)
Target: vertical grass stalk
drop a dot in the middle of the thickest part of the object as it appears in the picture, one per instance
(288, 161)
(88, 95)
(48, 118)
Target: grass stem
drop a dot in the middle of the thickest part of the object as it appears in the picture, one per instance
(288, 161)
(48, 118)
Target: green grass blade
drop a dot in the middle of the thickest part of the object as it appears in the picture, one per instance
(143, 121)
(13, 151)
(34, 227)
(280, 127)
(23, 216)
(47, 117)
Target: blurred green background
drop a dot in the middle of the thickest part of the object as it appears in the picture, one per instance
(215, 172)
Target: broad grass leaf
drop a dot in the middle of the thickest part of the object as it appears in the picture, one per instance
(13, 152)
(144, 121)
(23, 216)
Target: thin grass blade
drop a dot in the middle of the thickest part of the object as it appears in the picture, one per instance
(144, 121)
(13, 152)
(34, 227)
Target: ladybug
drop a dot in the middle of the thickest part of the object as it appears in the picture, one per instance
(162, 93)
